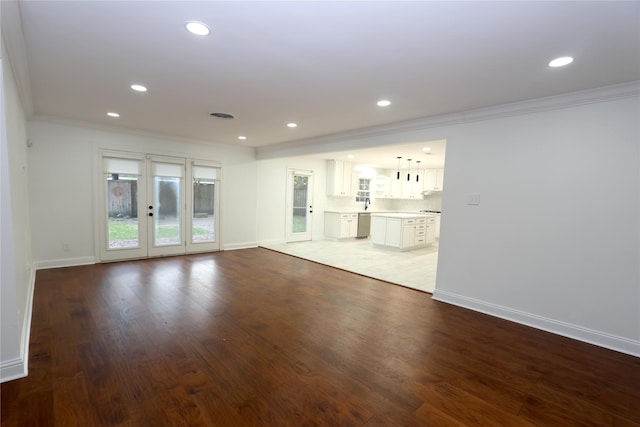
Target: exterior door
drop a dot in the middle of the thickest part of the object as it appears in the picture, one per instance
(166, 206)
(299, 205)
(156, 206)
(123, 231)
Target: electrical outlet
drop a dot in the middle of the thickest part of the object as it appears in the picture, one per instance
(66, 247)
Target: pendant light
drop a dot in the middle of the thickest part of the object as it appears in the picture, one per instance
(418, 171)
(398, 174)
(409, 170)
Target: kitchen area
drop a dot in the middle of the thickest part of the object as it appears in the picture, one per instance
(380, 220)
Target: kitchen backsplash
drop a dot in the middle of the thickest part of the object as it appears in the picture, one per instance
(431, 202)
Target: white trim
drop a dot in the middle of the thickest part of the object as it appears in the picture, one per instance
(242, 245)
(19, 367)
(602, 339)
(13, 369)
(323, 143)
(64, 262)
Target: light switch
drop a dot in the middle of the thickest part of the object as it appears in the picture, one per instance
(473, 199)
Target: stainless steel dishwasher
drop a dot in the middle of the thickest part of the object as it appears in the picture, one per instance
(364, 225)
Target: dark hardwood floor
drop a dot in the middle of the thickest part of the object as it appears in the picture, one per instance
(255, 337)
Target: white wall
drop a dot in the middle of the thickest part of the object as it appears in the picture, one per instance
(62, 171)
(271, 200)
(16, 264)
(555, 240)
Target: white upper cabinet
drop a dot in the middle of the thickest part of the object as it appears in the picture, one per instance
(339, 178)
(433, 179)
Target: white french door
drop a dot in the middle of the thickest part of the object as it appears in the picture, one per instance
(299, 218)
(157, 206)
(166, 206)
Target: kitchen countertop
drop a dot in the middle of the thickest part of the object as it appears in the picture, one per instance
(355, 211)
(401, 215)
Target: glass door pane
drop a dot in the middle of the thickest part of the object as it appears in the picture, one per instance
(300, 192)
(122, 196)
(122, 211)
(203, 196)
(299, 205)
(166, 210)
(203, 224)
(167, 222)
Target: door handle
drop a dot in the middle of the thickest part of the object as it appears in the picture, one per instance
(150, 206)
(150, 213)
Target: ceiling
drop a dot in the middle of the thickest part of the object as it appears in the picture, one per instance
(321, 64)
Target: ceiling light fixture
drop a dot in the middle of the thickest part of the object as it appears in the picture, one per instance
(426, 149)
(409, 170)
(383, 103)
(242, 137)
(112, 114)
(561, 62)
(418, 171)
(398, 173)
(138, 87)
(350, 156)
(197, 28)
(292, 125)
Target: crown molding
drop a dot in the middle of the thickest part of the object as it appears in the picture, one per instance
(573, 99)
(14, 43)
(132, 132)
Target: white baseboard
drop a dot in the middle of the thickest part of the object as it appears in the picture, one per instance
(64, 262)
(272, 242)
(601, 339)
(19, 367)
(243, 245)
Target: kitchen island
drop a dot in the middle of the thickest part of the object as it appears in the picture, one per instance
(402, 231)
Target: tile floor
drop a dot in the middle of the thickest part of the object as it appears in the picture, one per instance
(414, 269)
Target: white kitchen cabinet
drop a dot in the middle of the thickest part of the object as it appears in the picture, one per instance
(339, 178)
(378, 230)
(433, 179)
(340, 225)
(401, 231)
(431, 228)
(437, 228)
(396, 185)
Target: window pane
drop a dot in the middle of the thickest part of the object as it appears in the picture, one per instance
(167, 218)
(203, 221)
(122, 202)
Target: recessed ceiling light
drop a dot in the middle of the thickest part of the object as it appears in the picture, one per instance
(383, 103)
(426, 149)
(197, 28)
(138, 88)
(350, 156)
(292, 125)
(242, 137)
(561, 62)
(112, 114)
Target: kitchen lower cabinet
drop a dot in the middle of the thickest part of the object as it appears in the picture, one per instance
(402, 231)
(340, 225)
